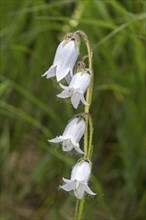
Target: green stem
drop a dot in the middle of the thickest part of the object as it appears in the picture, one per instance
(81, 206)
(90, 149)
(76, 209)
(89, 92)
(89, 125)
(86, 138)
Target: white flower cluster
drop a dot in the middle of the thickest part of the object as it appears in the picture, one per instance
(78, 83)
(64, 61)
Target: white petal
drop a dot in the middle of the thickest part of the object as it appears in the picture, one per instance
(69, 129)
(66, 180)
(51, 72)
(89, 191)
(81, 172)
(84, 101)
(61, 72)
(62, 86)
(79, 193)
(59, 54)
(76, 146)
(80, 81)
(57, 139)
(69, 76)
(76, 129)
(68, 186)
(78, 149)
(69, 57)
(75, 99)
(67, 145)
(64, 94)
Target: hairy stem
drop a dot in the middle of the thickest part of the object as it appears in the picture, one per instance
(89, 125)
(81, 206)
(88, 95)
(76, 209)
(90, 148)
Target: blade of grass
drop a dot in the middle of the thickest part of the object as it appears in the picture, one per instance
(19, 114)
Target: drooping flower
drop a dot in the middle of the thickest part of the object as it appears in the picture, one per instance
(78, 182)
(65, 58)
(77, 88)
(72, 134)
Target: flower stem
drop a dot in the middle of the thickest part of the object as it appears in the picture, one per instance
(87, 137)
(90, 149)
(81, 206)
(76, 209)
(89, 125)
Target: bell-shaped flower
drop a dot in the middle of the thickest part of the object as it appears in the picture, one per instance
(65, 58)
(76, 89)
(78, 182)
(72, 134)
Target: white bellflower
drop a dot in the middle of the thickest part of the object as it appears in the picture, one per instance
(76, 89)
(72, 135)
(79, 180)
(65, 58)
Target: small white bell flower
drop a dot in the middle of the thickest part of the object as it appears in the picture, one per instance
(80, 175)
(76, 89)
(72, 134)
(65, 58)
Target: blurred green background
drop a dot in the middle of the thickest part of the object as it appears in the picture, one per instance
(31, 168)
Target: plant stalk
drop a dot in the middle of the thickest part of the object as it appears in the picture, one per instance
(89, 125)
